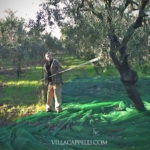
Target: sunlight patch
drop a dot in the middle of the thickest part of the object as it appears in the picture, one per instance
(18, 83)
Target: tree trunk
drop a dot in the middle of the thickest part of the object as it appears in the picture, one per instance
(18, 70)
(97, 68)
(43, 91)
(129, 78)
(135, 97)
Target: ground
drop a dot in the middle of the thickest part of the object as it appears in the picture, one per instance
(95, 108)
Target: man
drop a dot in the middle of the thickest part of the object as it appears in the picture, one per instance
(54, 81)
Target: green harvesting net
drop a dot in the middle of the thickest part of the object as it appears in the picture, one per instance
(97, 115)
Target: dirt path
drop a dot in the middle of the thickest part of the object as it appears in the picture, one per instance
(12, 71)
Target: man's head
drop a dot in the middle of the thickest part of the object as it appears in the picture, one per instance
(48, 56)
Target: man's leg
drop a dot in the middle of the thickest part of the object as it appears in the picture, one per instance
(57, 95)
(50, 96)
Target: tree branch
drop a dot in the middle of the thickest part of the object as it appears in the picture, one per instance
(97, 14)
(128, 2)
(114, 41)
(81, 5)
(135, 25)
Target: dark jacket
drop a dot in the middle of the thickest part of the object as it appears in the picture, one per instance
(50, 69)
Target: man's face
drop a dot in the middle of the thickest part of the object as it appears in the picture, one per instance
(48, 57)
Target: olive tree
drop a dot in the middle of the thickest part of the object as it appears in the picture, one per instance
(121, 18)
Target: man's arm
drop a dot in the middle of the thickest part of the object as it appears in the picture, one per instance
(59, 67)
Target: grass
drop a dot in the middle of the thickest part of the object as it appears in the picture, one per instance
(95, 108)
(23, 97)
